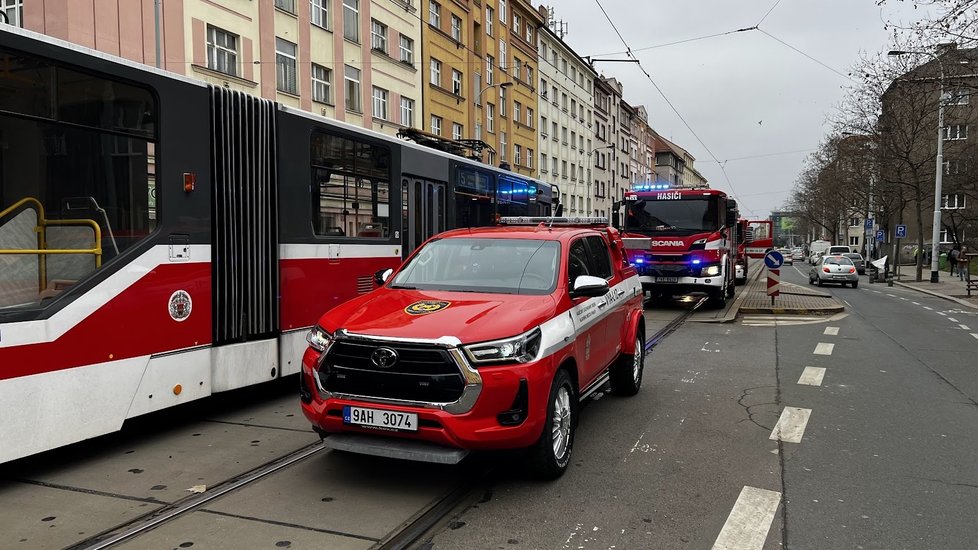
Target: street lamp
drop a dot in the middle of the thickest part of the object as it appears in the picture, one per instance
(938, 179)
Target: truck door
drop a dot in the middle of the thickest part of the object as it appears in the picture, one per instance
(425, 211)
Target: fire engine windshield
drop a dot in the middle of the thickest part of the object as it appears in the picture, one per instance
(500, 266)
(690, 216)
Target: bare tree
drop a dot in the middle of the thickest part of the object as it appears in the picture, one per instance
(948, 20)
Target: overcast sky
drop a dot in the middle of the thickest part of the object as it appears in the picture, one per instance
(744, 94)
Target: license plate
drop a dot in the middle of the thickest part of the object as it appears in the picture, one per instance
(667, 279)
(379, 418)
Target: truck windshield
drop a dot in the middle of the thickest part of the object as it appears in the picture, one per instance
(501, 266)
(658, 216)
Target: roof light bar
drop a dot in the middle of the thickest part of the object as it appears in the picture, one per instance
(650, 186)
(536, 220)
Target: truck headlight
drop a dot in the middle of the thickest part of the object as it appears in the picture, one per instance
(711, 271)
(319, 339)
(520, 349)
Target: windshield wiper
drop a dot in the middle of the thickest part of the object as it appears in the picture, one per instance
(404, 287)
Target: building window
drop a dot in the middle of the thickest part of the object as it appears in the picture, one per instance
(960, 96)
(517, 111)
(489, 20)
(490, 62)
(286, 5)
(529, 158)
(14, 9)
(378, 35)
(491, 158)
(407, 112)
(352, 77)
(456, 28)
(517, 67)
(322, 79)
(285, 75)
(529, 117)
(407, 50)
(517, 154)
(490, 118)
(222, 50)
(456, 131)
(854, 222)
(502, 101)
(529, 73)
(502, 11)
(502, 54)
(563, 169)
(529, 33)
(434, 14)
(502, 146)
(319, 13)
(553, 95)
(554, 166)
(543, 163)
(435, 72)
(955, 167)
(456, 82)
(543, 126)
(380, 97)
(946, 237)
(351, 20)
(956, 132)
(953, 201)
(554, 127)
(436, 125)
(853, 241)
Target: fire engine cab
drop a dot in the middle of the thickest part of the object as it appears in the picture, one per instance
(484, 338)
(690, 240)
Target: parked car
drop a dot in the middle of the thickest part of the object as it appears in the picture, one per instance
(838, 249)
(834, 269)
(858, 261)
(484, 338)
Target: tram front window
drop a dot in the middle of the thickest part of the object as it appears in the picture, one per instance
(76, 176)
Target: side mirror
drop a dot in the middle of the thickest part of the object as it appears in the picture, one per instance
(381, 276)
(592, 287)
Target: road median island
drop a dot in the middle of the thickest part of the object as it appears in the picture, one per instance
(793, 300)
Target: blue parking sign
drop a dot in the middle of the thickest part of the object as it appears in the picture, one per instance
(869, 223)
(901, 231)
(880, 235)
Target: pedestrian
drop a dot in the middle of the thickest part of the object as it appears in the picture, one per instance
(952, 258)
(963, 269)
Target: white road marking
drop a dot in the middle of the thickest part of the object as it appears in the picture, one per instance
(964, 327)
(812, 376)
(915, 303)
(952, 319)
(878, 292)
(942, 314)
(791, 426)
(928, 308)
(892, 295)
(975, 334)
(824, 348)
(750, 520)
(831, 331)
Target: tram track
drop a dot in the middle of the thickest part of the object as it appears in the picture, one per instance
(407, 535)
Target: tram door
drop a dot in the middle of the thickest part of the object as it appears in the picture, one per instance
(425, 211)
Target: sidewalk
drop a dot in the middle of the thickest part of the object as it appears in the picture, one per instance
(793, 300)
(950, 287)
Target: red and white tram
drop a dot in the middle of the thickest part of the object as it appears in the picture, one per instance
(162, 240)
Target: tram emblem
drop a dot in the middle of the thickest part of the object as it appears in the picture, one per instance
(426, 306)
(180, 305)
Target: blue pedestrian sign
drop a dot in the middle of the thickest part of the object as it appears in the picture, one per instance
(869, 223)
(880, 235)
(773, 259)
(901, 231)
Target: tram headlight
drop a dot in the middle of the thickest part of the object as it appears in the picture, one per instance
(319, 339)
(519, 349)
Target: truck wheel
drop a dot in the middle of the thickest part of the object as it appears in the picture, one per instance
(626, 373)
(730, 289)
(718, 297)
(551, 454)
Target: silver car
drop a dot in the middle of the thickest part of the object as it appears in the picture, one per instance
(834, 269)
(858, 261)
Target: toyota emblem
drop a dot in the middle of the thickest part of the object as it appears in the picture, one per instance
(383, 358)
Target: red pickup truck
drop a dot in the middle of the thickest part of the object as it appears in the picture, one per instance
(484, 338)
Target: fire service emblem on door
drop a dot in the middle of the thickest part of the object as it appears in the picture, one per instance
(180, 305)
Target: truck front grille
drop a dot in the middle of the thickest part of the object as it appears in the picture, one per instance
(421, 372)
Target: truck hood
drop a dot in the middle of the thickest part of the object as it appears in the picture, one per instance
(671, 242)
(470, 317)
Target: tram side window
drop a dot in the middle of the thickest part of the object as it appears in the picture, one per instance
(350, 188)
(77, 171)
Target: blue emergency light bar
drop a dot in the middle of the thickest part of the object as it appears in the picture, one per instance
(650, 186)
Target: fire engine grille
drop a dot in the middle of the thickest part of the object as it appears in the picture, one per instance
(421, 373)
(667, 270)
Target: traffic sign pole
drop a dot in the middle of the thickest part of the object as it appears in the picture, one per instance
(773, 260)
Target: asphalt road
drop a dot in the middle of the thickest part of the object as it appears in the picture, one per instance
(722, 448)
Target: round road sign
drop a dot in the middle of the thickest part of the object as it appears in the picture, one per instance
(773, 259)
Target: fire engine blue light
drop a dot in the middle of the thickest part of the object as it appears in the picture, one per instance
(639, 261)
(696, 262)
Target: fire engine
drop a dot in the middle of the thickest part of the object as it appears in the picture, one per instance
(483, 339)
(760, 237)
(691, 241)
(162, 240)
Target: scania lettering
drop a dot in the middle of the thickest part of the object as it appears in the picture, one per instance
(690, 241)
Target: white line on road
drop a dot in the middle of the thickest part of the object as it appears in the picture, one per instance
(943, 314)
(964, 327)
(892, 295)
(878, 292)
(791, 426)
(823, 348)
(812, 376)
(975, 334)
(952, 319)
(749, 521)
(915, 303)
(928, 308)
(831, 331)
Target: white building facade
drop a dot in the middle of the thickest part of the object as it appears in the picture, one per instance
(566, 111)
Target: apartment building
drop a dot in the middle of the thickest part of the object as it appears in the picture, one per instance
(566, 125)
(611, 179)
(641, 146)
(352, 60)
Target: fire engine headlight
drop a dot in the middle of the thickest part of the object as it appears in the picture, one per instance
(319, 339)
(710, 271)
(520, 349)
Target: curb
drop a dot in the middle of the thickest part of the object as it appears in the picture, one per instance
(734, 308)
(937, 294)
(830, 310)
